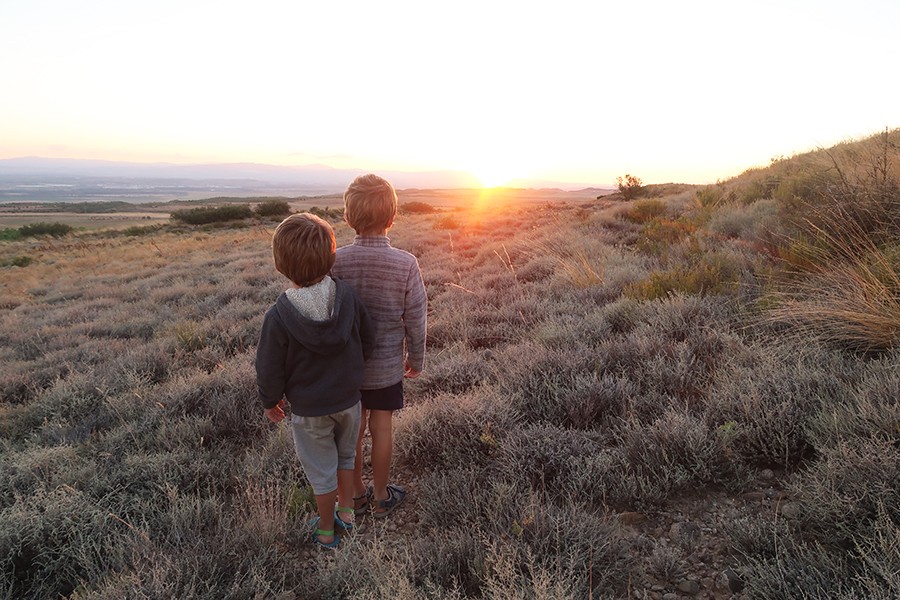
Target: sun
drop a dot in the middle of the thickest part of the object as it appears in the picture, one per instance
(495, 176)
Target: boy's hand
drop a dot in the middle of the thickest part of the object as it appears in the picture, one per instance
(410, 373)
(276, 413)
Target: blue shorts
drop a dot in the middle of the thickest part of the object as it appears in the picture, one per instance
(325, 444)
(389, 398)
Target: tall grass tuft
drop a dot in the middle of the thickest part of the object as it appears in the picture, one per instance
(849, 293)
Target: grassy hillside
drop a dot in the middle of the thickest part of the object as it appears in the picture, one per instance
(692, 393)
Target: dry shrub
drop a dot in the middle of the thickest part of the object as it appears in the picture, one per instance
(644, 210)
(869, 408)
(455, 370)
(541, 456)
(844, 492)
(676, 452)
(52, 541)
(448, 431)
(765, 397)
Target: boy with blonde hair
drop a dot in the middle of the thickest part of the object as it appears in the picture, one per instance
(390, 284)
(311, 351)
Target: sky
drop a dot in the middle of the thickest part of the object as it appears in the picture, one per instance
(582, 92)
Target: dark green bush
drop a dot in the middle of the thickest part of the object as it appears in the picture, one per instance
(273, 208)
(54, 229)
(139, 230)
(219, 214)
(10, 234)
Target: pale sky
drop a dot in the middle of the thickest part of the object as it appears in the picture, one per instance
(685, 91)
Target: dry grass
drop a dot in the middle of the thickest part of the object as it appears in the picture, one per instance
(135, 462)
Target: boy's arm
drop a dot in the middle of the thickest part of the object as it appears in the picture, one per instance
(415, 320)
(270, 372)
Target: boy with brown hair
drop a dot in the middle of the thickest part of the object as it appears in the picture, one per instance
(311, 351)
(390, 284)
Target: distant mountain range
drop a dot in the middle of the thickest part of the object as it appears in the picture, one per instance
(58, 179)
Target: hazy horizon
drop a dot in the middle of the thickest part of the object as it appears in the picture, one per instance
(691, 92)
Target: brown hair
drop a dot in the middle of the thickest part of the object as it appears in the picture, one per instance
(370, 204)
(303, 247)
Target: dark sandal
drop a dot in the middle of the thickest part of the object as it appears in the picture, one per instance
(339, 521)
(395, 498)
(361, 503)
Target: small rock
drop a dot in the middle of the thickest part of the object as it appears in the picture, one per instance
(689, 587)
(773, 494)
(670, 596)
(730, 580)
(631, 518)
(767, 474)
(790, 510)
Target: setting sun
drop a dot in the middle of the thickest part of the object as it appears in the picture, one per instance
(496, 175)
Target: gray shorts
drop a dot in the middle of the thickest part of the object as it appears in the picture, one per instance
(325, 444)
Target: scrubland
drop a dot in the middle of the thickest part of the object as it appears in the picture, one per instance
(721, 359)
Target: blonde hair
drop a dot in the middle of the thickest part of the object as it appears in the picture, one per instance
(303, 248)
(370, 204)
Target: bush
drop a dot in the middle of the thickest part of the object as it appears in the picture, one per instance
(659, 234)
(712, 275)
(644, 211)
(10, 234)
(273, 208)
(138, 230)
(16, 261)
(629, 186)
(54, 229)
(202, 216)
(329, 214)
(416, 208)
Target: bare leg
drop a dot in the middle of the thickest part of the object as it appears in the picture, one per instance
(359, 486)
(345, 493)
(325, 507)
(380, 427)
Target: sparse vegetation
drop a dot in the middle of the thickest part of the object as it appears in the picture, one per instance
(617, 401)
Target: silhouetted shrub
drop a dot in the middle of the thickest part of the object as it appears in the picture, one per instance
(273, 208)
(219, 214)
(629, 186)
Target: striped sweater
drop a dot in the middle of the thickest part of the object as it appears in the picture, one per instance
(389, 283)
